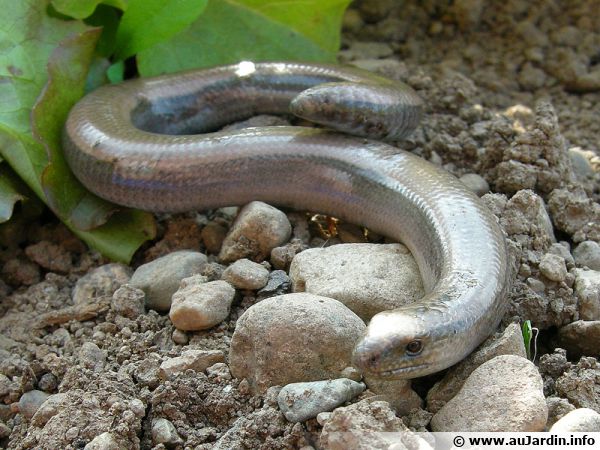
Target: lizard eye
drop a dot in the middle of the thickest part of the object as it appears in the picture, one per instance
(414, 347)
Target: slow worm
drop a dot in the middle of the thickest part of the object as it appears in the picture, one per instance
(148, 144)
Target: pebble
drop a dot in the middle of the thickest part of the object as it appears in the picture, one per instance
(219, 371)
(367, 278)
(199, 305)
(557, 408)
(47, 382)
(92, 357)
(397, 393)
(257, 230)
(580, 338)
(587, 289)
(180, 337)
(587, 254)
(281, 257)
(104, 441)
(101, 281)
(475, 183)
(503, 394)
(303, 401)
(196, 360)
(17, 272)
(164, 432)
(246, 274)
(49, 408)
(293, 338)
(562, 249)
(128, 301)
(160, 278)
(553, 267)
(580, 383)
(30, 402)
(578, 421)
(510, 342)
(365, 50)
(278, 284)
(50, 256)
(365, 425)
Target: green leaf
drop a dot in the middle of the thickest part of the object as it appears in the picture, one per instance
(116, 72)
(11, 192)
(80, 9)
(30, 127)
(526, 330)
(230, 31)
(148, 22)
(319, 20)
(108, 18)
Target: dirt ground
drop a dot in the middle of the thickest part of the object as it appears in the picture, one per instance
(512, 92)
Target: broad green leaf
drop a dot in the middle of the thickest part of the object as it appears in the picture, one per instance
(11, 192)
(148, 22)
(45, 55)
(116, 72)
(319, 20)
(27, 38)
(108, 18)
(229, 31)
(80, 9)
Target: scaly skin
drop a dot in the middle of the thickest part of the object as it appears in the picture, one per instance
(134, 144)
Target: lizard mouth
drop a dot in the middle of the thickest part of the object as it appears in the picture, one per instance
(399, 370)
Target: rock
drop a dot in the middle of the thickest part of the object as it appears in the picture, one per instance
(17, 272)
(50, 256)
(581, 338)
(47, 382)
(510, 342)
(196, 360)
(219, 371)
(91, 356)
(366, 425)
(526, 214)
(575, 214)
(257, 230)
(100, 282)
(129, 302)
(563, 249)
(293, 338)
(503, 394)
(281, 257)
(580, 384)
(160, 278)
(367, 278)
(164, 432)
(198, 305)
(246, 274)
(587, 254)
(30, 402)
(557, 408)
(180, 337)
(397, 393)
(553, 267)
(587, 289)
(48, 409)
(475, 183)
(303, 401)
(278, 284)
(578, 421)
(104, 441)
